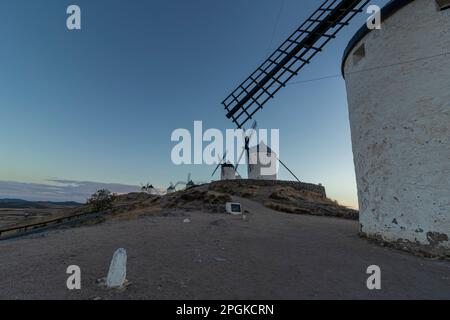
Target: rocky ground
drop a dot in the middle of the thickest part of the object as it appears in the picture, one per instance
(211, 198)
(182, 246)
(207, 198)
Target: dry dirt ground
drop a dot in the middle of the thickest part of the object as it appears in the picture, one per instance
(270, 255)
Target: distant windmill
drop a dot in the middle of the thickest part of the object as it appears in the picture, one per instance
(189, 183)
(147, 188)
(254, 154)
(228, 171)
(172, 188)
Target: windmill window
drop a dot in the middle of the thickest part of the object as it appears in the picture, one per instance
(443, 4)
(359, 54)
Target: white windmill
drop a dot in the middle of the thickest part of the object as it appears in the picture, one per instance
(262, 162)
(228, 171)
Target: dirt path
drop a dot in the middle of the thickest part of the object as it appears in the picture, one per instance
(269, 256)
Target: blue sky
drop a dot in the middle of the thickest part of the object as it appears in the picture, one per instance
(100, 104)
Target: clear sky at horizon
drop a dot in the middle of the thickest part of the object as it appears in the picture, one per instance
(100, 104)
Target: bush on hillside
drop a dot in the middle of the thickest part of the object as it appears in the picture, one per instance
(102, 200)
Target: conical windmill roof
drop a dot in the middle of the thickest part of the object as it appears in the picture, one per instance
(260, 148)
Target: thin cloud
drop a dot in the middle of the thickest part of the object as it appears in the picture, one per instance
(59, 190)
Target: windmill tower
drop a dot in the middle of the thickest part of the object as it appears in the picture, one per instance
(262, 163)
(260, 159)
(149, 189)
(190, 183)
(227, 170)
(172, 188)
(400, 127)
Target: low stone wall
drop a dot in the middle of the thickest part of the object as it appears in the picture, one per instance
(301, 186)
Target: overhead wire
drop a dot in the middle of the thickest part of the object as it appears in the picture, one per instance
(369, 69)
(275, 27)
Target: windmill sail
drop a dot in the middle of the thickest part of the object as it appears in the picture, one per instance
(246, 145)
(221, 161)
(286, 62)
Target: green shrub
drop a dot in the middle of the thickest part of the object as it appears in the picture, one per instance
(102, 200)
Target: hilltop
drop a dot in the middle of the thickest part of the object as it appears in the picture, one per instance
(287, 197)
(281, 196)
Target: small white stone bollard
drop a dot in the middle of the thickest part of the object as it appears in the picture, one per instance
(117, 270)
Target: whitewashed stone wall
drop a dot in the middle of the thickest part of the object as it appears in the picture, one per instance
(400, 123)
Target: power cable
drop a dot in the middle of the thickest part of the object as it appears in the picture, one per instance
(370, 69)
(277, 21)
